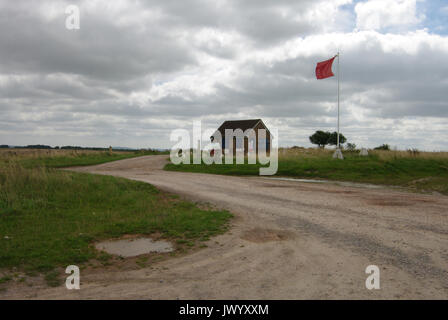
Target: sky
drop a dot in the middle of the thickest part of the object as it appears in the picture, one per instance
(137, 70)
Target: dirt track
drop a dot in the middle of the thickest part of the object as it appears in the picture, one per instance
(289, 240)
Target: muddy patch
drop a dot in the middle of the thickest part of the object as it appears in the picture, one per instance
(398, 202)
(134, 247)
(312, 189)
(335, 191)
(425, 200)
(388, 203)
(259, 235)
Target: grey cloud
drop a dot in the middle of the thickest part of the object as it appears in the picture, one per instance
(60, 87)
(99, 50)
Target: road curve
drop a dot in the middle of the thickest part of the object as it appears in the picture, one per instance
(289, 240)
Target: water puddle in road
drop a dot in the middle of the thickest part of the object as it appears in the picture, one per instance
(134, 247)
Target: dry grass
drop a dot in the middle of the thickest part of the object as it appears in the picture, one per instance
(15, 155)
(397, 154)
(294, 153)
(31, 158)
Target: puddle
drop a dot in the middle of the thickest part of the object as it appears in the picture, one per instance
(340, 183)
(134, 247)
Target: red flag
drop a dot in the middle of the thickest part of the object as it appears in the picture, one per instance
(323, 69)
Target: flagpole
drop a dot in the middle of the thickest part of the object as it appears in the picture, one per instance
(337, 153)
(338, 97)
(323, 71)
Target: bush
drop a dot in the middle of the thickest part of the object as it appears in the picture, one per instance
(333, 139)
(322, 138)
(383, 147)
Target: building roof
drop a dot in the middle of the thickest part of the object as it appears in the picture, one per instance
(240, 124)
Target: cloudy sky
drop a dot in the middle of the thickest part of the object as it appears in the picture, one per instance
(136, 70)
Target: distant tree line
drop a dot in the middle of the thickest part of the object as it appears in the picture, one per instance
(42, 146)
(383, 147)
(31, 146)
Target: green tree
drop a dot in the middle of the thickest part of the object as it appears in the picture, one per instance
(333, 139)
(351, 146)
(320, 138)
(383, 147)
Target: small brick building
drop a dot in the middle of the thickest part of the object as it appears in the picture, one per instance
(249, 144)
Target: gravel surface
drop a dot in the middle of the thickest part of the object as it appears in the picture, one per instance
(289, 240)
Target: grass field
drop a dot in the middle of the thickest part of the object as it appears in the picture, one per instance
(31, 158)
(421, 171)
(50, 218)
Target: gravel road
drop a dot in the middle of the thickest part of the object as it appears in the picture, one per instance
(288, 240)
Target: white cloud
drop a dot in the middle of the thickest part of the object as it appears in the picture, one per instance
(380, 14)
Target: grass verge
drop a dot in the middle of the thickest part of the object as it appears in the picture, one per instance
(50, 218)
(422, 173)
